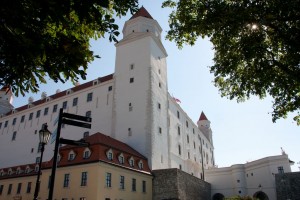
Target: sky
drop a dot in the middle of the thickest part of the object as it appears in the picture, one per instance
(242, 132)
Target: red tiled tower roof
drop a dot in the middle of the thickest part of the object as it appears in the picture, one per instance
(202, 116)
(142, 12)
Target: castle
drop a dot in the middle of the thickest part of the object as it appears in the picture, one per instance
(131, 105)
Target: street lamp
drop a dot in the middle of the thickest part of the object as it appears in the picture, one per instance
(44, 134)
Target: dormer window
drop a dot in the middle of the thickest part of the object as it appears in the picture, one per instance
(71, 155)
(36, 169)
(10, 171)
(18, 170)
(86, 153)
(69, 91)
(27, 170)
(121, 159)
(95, 82)
(141, 165)
(58, 157)
(1, 173)
(109, 154)
(131, 162)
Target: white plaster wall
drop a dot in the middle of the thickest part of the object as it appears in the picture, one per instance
(27, 132)
(254, 176)
(192, 165)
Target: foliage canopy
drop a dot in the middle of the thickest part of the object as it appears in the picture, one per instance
(256, 43)
(39, 38)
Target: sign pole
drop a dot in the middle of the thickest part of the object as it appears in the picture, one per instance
(54, 163)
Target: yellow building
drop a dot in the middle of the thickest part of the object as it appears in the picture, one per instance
(108, 170)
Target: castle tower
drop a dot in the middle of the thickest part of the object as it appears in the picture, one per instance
(204, 126)
(6, 100)
(140, 106)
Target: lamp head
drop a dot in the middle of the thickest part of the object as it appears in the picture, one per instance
(44, 134)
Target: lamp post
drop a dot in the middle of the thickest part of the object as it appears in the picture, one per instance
(44, 134)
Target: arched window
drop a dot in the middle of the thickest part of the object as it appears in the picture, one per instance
(218, 196)
(121, 158)
(71, 155)
(86, 153)
(109, 154)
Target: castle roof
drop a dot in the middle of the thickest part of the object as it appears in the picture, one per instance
(142, 12)
(99, 145)
(202, 116)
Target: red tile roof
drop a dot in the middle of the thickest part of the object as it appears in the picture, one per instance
(202, 116)
(63, 93)
(142, 12)
(99, 145)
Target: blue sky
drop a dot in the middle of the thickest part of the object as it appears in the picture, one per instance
(241, 131)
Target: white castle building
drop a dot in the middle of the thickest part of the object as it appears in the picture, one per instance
(132, 105)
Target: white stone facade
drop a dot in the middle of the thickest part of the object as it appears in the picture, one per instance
(132, 105)
(250, 179)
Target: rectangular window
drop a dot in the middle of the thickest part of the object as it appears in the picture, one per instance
(46, 111)
(22, 118)
(131, 66)
(86, 134)
(88, 113)
(187, 123)
(158, 105)
(86, 154)
(19, 188)
(89, 97)
(14, 121)
(178, 115)
(188, 139)
(0, 125)
(280, 170)
(131, 80)
(49, 181)
(28, 190)
(144, 186)
(179, 149)
(109, 88)
(38, 113)
(83, 179)
(54, 108)
(1, 189)
(108, 180)
(30, 116)
(75, 101)
(37, 160)
(122, 182)
(133, 186)
(178, 130)
(9, 189)
(110, 156)
(159, 130)
(14, 135)
(6, 123)
(65, 103)
(66, 180)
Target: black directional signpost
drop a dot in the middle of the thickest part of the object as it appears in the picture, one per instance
(70, 119)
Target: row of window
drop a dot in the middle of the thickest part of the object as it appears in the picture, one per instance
(89, 98)
(108, 181)
(19, 188)
(19, 170)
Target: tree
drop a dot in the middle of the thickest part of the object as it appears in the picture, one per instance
(256, 44)
(51, 38)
